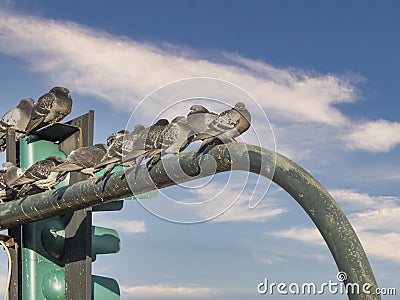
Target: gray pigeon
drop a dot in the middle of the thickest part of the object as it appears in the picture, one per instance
(146, 143)
(41, 175)
(12, 173)
(173, 139)
(199, 118)
(16, 118)
(111, 138)
(50, 108)
(3, 141)
(120, 144)
(228, 125)
(83, 160)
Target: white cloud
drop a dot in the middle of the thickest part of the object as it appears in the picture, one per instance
(163, 290)
(381, 245)
(309, 235)
(122, 71)
(376, 224)
(126, 226)
(386, 218)
(362, 200)
(376, 136)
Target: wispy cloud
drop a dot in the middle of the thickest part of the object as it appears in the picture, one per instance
(167, 291)
(376, 222)
(122, 71)
(362, 201)
(376, 136)
(308, 235)
(126, 226)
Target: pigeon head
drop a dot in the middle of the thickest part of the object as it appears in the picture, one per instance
(61, 91)
(196, 109)
(240, 105)
(6, 165)
(138, 128)
(26, 103)
(178, 119)
(56, 160)
(111, 138)
(123, 131)
(100, 146)
(162, 122)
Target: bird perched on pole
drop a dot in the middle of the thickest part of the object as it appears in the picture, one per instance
(41, 175)
(223, 128)
(199, 117)
(119, 144)
(113, 136)
(83, 160)
(12, 173)
(50, 108)
(16, 118)
(174, 138)
(146, 143)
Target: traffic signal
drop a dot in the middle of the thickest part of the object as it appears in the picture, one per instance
(57, 253)
(104, 241)
(43, 271)
(43, 254)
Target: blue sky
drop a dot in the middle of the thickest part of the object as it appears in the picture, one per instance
(325, 73)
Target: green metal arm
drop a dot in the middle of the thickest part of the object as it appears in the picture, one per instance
(315, 200)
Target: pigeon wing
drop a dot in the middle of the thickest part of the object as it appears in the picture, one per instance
(10, 118)
(40, 111)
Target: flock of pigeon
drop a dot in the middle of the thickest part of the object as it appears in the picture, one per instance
(122, 148)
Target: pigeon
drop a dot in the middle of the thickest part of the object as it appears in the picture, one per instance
(228, 125)
(41, 175)
(16, 118)
(12, 173)
(3, 141)
(173, 139)
(50, 108)
(146, 143)
(199, 117)
(115, 135)
(120, 144)
(83, 160)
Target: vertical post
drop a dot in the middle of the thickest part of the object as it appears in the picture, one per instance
(78, 225)
(15, 292)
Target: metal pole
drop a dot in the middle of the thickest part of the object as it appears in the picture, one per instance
(315, 200)
(78, 224)
(15, 291)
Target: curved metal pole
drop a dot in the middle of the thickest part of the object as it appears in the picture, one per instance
(315, 200)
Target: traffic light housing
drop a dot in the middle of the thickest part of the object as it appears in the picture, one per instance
(57, 253)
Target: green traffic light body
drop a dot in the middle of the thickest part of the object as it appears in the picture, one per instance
(39, 266)
(43, 251)
(44, 242)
